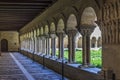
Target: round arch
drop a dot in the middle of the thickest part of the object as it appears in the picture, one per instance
(88, 16)
(80, 42)
(99, 42)
(70, 10)
(93, 42)
(71, 22)
(88, 4)
(60, 26)
(46, 29)
(41, 31)
(35, 32)
(31, 34)
(4, 45)
(52, 27)
(38, 32)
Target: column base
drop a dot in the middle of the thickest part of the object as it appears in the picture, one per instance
(86, 66)
(71, 62)
(47, 56)
(53, 57)
(62, 60)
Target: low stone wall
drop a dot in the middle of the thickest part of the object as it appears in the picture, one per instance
(69, 71)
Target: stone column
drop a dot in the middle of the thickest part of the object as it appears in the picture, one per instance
(33, 43)
(71, 45)
(37, 45)
(61, 46)
(96, 43)
(88, 47)
(53, 46)
(47, 46)
(86, 32)
(40, 45)
(43, 45)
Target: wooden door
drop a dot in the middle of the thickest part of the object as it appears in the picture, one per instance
(4, 45)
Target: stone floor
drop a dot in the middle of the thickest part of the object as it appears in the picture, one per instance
(15, 66)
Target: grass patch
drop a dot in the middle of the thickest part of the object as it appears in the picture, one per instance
(95, 57)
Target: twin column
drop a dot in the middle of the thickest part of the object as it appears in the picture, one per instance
(86, 32)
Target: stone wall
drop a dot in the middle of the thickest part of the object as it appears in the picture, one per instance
(12, 38)
(110, 26)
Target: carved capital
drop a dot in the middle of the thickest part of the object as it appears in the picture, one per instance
(52, 35)
(71, 32)
(61, 34)
(86, 30)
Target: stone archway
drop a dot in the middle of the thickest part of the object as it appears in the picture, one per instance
(4, 45)
(88, 19)
(71, 32)
(71, 22)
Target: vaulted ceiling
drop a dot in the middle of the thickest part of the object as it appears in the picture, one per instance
(15, 14)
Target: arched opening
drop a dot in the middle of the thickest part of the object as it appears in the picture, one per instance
(32, 42)
(72, 32)
(66, 47)
(57, 44)
(52, 27)
(78, 45)
(46, 30)
(88, 19)
(99, 42)
(88, 16)
(71, 22)
(93, 42)
(35, 41)
(53, 40)
(37, 34)
(60, 26)
(4, 45)
(60, 34)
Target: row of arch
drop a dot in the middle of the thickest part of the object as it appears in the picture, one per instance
(38, 40)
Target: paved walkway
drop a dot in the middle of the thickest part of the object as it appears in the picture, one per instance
(15, 66)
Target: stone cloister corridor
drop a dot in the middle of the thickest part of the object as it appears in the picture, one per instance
(60, 40)
(15, 66)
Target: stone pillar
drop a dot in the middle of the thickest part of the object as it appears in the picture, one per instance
(96, 44)
(33, 44)
(43, 45)
(47, 46)
(88, 47)
(86, 32)
(40, 45)
(37, 45)
(61, 46)
(53, 46)
(71, 45)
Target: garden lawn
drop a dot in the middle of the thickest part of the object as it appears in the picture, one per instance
(96, 57)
